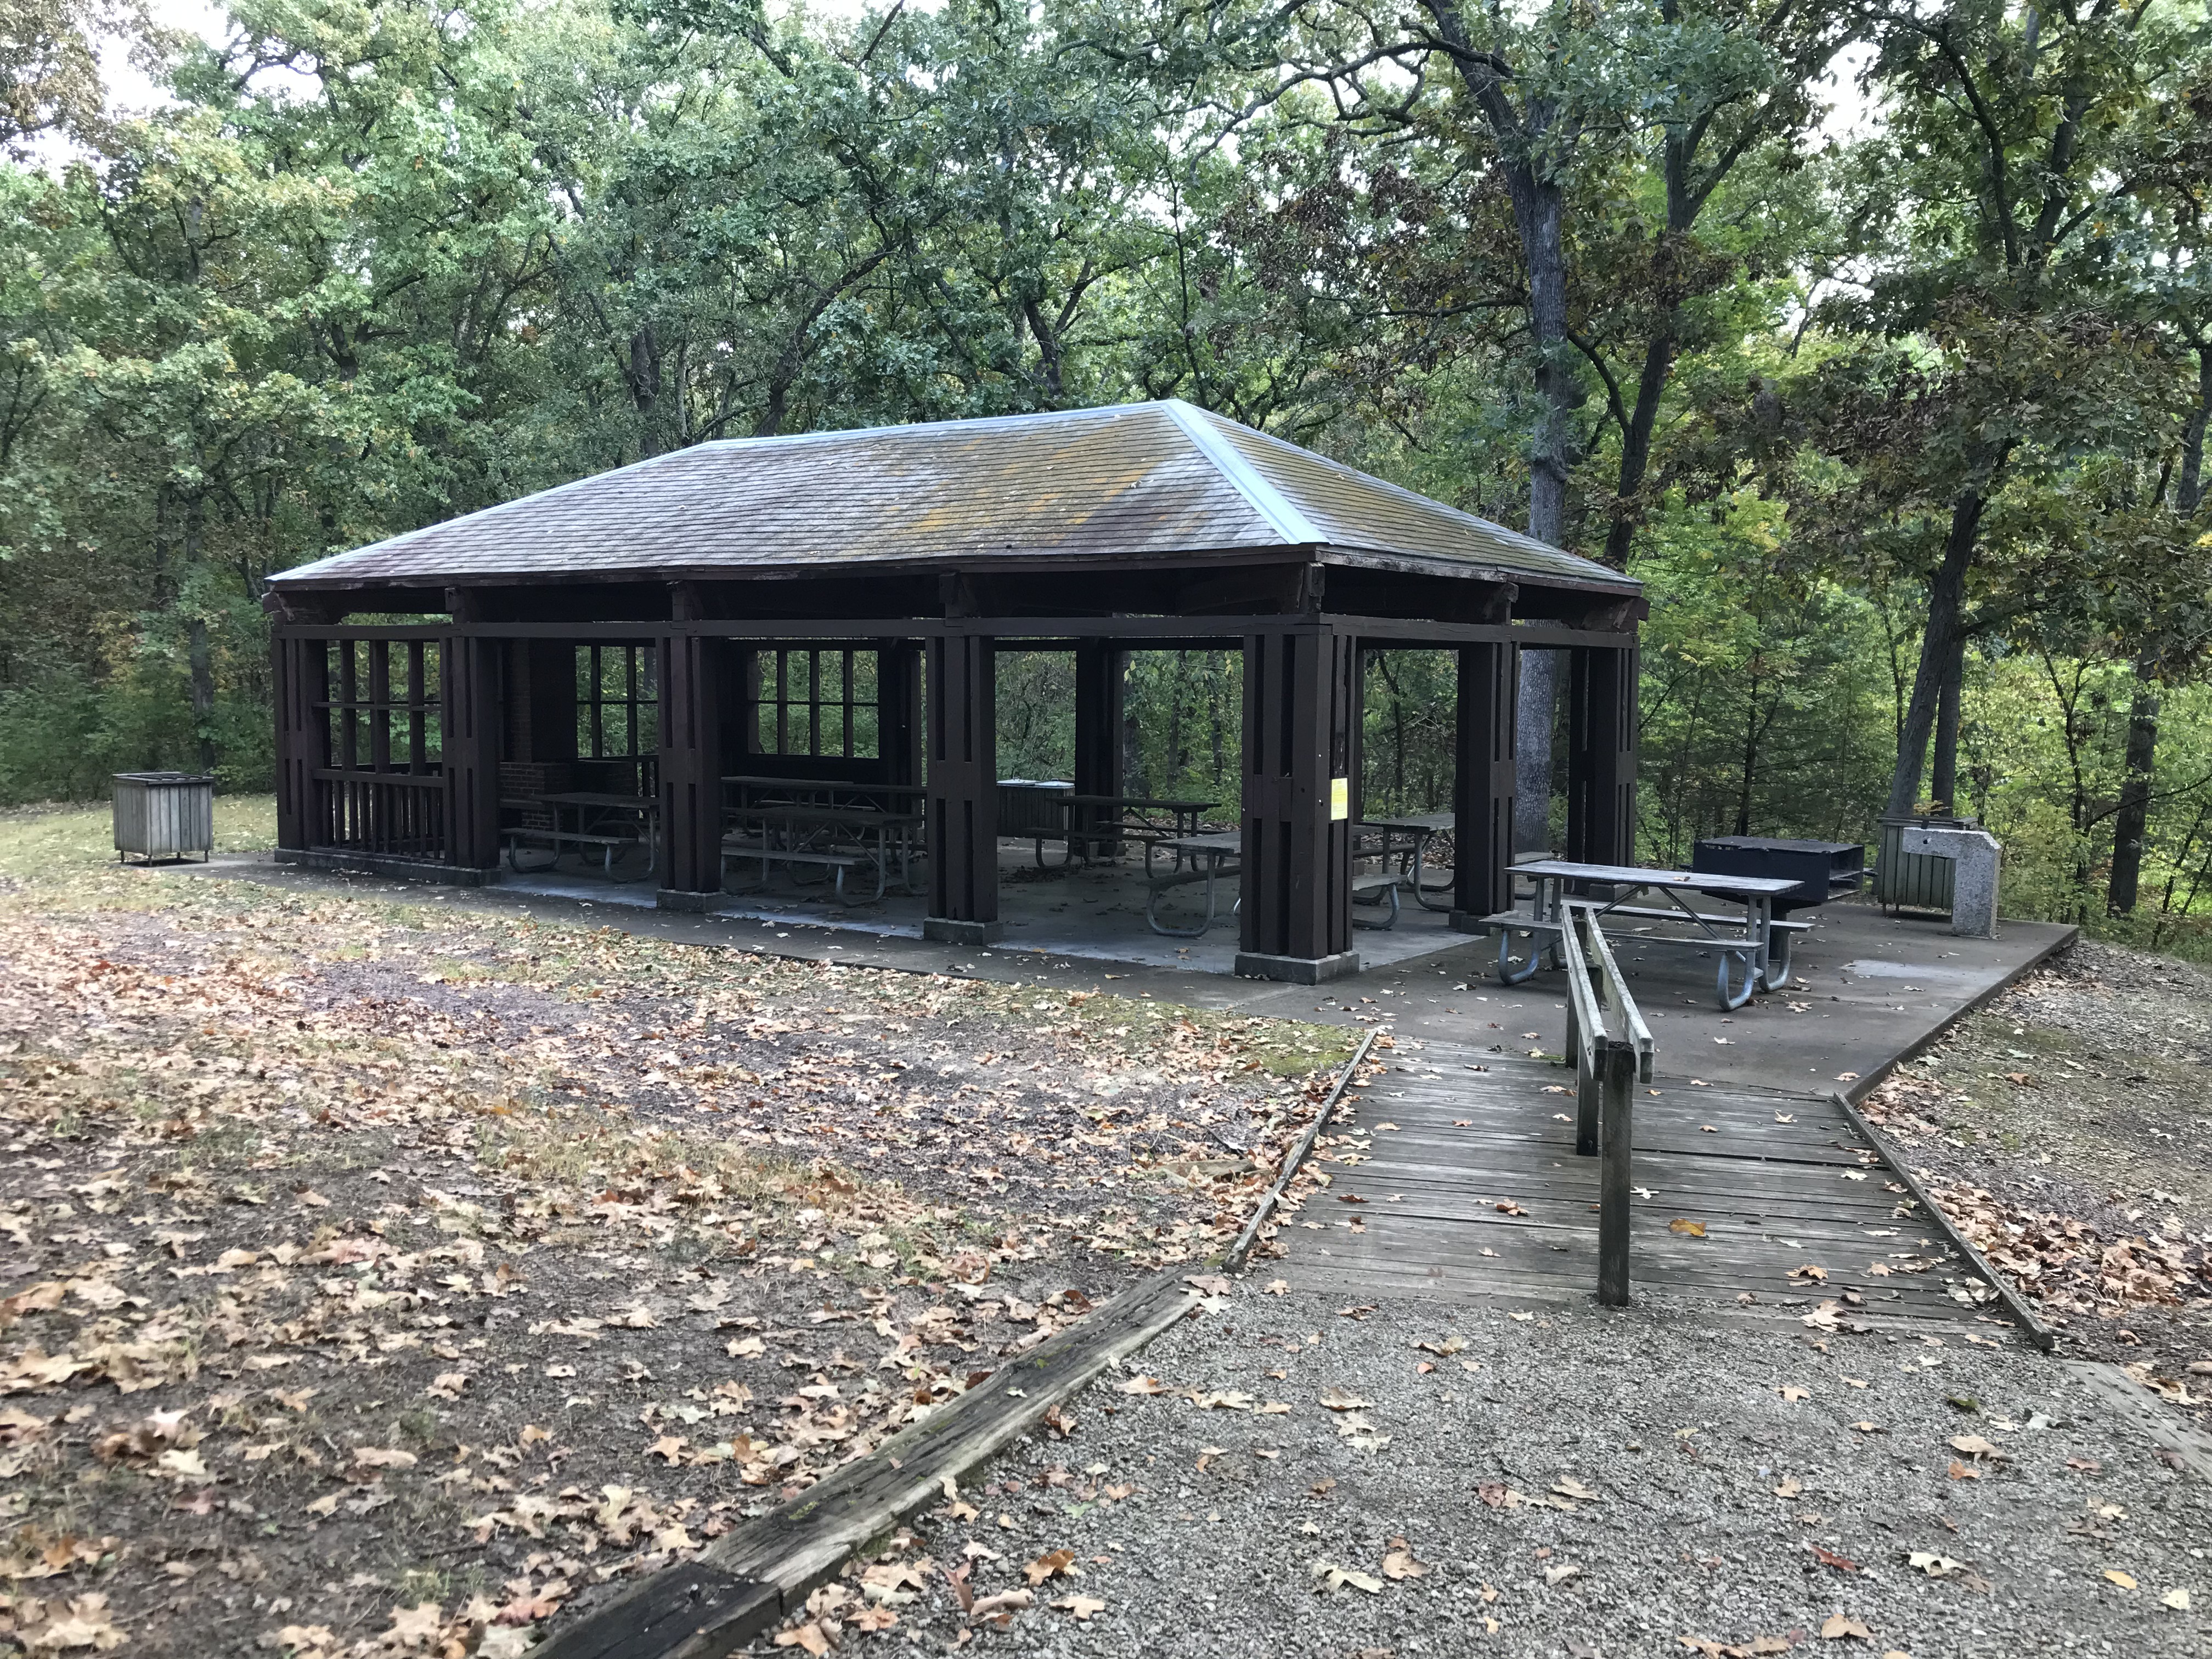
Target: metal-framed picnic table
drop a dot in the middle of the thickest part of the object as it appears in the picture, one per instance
(612, 822)
(837, 839)
(766, 789)
(1205, 854)
(1407, 836)
(1085, 822)
(1754, 943)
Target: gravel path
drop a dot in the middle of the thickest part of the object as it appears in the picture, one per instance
(1574, 1484)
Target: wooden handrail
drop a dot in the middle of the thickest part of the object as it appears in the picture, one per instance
(1610, 1047)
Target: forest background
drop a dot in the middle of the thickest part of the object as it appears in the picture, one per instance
(1872, 335)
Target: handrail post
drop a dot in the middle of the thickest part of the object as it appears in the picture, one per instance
(1616, 1063)
(1589, 1092)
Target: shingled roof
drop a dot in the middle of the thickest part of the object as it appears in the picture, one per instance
(1150, 481)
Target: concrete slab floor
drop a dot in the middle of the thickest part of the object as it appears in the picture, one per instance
(1869, 990)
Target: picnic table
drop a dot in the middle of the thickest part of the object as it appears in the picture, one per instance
(611, 822)
(1088, 823)
(820, 792)
(1205, 855)
(836, 839)
(1407, 836)
(1754, 944)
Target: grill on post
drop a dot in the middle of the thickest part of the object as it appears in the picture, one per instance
(161, 816)
(1822, 869)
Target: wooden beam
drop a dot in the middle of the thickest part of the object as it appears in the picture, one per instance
(962, 803)
(1601, 756)
(1483, 782)
(1296, 912)
(803, 1542)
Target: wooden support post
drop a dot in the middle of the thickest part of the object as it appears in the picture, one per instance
(1098, 707)
(301, 668)
(469, 701)
(1483, 784)
(899, 721)
(1616, 1062)
(544, 717)
(1601, 756)
(693, 681)
(963, 789)
(1297, 868)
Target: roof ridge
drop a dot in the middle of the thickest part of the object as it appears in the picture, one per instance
(1409, 494)
(829, 434)
(1284, 515)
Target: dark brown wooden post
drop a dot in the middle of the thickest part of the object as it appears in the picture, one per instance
(468, 704)
(1601, 756)
(1098, 709)
(303, 737)
(963, 789)
(694, 678)
(1616, 1062)
(543, 717)
(1483, 786)
(1297, 885)
(899, 721)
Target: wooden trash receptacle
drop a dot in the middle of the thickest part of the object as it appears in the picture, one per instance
(161, 817)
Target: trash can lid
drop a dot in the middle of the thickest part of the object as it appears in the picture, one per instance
(164, 777)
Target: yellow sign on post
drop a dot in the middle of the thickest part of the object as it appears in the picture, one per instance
(1339, 799)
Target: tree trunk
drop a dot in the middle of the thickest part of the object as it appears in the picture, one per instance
(1943, 770)
(1539, 216)
(2133, 820)
(1636, 442)
(1946, 596)
(202, 673)
(1535, 717)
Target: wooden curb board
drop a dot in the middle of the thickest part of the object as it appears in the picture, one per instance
(754, 1577)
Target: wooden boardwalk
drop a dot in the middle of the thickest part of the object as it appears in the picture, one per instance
(1476, 1191)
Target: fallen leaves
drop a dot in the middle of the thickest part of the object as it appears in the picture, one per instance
(1344, 1399)
(1047, 1565)
(1687, 1227)
(1838, 1626)
(82, 1621)
(1331, 1577)
(1399, 1562)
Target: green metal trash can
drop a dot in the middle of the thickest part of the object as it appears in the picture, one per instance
(1915, 881)
(161, 817)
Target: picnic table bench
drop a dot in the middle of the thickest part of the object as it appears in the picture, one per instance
(1755, 945)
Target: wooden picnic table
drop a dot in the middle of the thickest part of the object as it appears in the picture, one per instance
(1210, 851)
(1753, 941)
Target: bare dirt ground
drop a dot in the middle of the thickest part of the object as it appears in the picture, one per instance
(381, 1278)
(2068, 1128)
